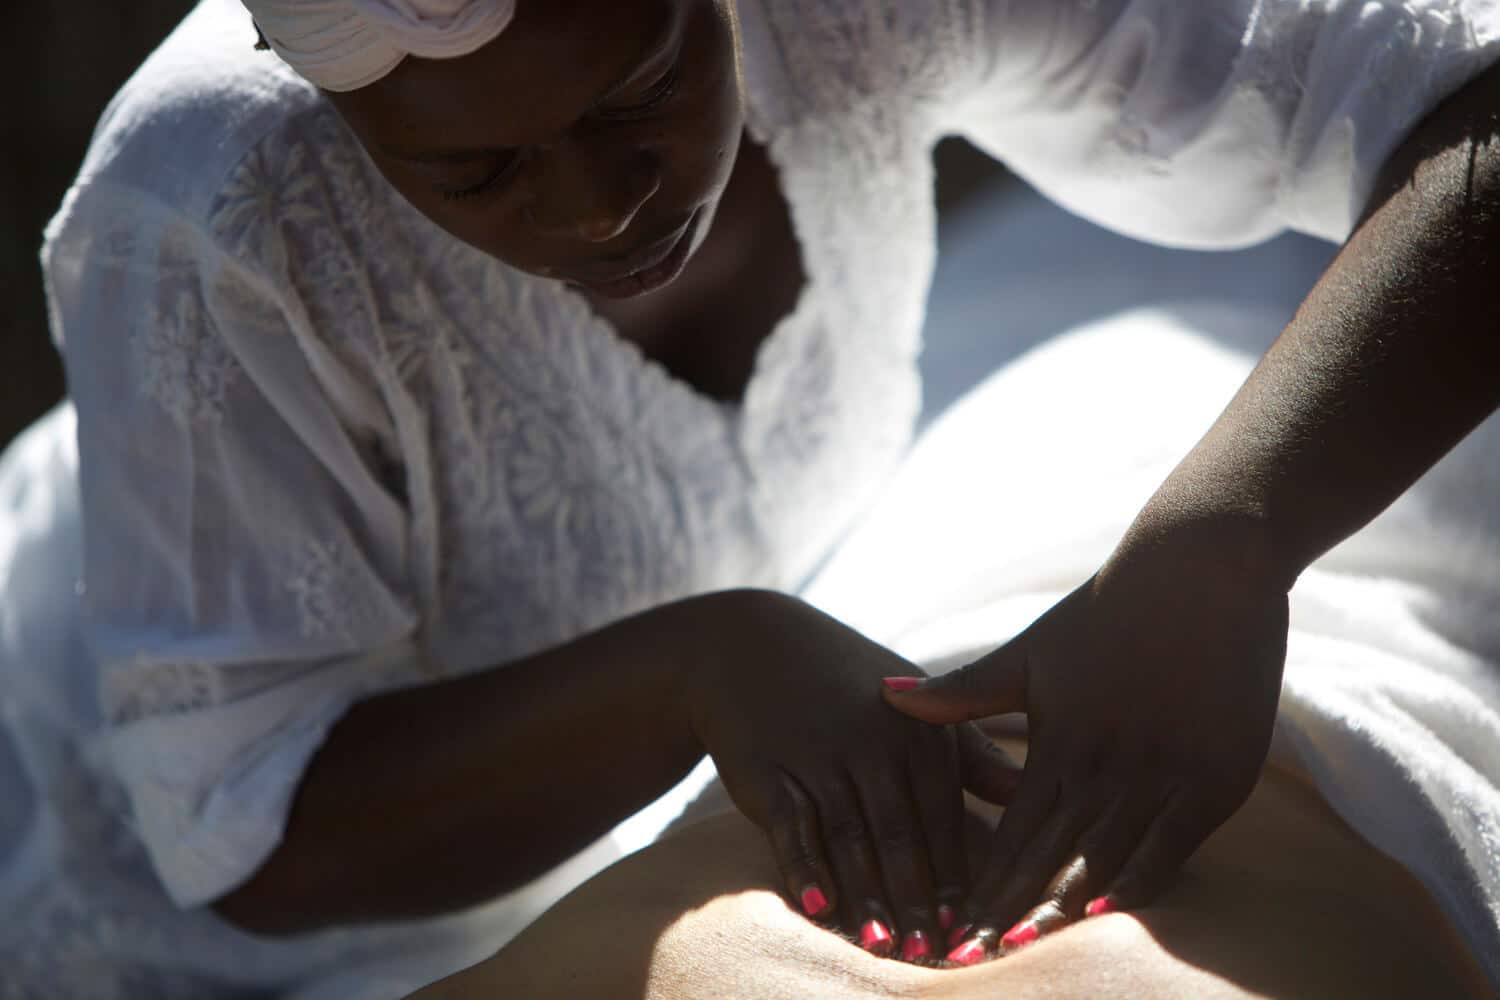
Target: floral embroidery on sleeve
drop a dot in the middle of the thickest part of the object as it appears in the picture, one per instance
(182, 363)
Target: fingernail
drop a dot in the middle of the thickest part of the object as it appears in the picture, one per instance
(958, 934)
(915, 946)
(899, 684)
(1099, 907)
(1020, 936)
(875, 938)
(969, 953)
(813, 901)
(945, 916)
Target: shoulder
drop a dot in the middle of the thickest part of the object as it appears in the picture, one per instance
(223, 149)
(191, 113)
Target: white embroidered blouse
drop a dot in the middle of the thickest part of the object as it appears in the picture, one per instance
(326, 450)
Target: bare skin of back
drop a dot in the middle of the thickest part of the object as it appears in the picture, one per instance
(1283, 901)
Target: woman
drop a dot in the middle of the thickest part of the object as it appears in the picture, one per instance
(373, 407)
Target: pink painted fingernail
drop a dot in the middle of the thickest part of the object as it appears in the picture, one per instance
(875, 938)
(1099, 907)
(900, 684)
(969, 953)
(813, 901)
(915, 946)
(945, 916)
(958, 934)
(1020, 936)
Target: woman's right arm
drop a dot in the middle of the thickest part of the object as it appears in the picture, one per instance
(256, 607)
(430, 799)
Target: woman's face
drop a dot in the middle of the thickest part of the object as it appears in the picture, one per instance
(590, 142)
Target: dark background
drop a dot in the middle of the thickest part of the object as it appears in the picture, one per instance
(75, 55)
(63, 63)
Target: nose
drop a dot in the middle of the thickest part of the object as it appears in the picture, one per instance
(594, 198)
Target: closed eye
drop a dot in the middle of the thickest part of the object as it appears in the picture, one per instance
(492, 182)
(656, 96)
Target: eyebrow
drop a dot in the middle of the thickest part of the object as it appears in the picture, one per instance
(664, 39)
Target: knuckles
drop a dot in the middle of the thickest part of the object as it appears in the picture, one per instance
(848, 830)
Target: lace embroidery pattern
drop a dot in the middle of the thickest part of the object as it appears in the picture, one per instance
(149, 689)
(180, 360)
(331, 594)
(275, 185)
(144, 690)
(183, 365)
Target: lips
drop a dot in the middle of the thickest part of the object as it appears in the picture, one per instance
(639, 260)
(647, 267)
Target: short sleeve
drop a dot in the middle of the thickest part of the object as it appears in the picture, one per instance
(1214, 123)
(245, 558)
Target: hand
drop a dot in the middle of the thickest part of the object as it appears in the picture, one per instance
(1150, 693)
(862, 805)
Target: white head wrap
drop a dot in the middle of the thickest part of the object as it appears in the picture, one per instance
(348, 44)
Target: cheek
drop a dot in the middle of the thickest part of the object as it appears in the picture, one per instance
(481, 225)
(707, 137)
(495, 229)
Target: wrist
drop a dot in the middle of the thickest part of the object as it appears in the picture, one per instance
(1208, 539)
(711, 629)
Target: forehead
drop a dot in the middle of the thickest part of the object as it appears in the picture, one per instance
(554, 60)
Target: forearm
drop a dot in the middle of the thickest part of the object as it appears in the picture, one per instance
(427, 800)
(1392, 359)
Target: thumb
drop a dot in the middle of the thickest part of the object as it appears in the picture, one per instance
(992, 685)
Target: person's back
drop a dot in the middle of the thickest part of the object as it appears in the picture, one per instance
(1284, 902)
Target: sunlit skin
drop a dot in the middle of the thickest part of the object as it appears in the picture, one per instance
(592, 176)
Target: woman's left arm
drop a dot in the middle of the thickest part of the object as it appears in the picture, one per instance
(1151, 691)
(1393, 358)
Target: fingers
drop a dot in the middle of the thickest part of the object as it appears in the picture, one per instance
(992, 685)
(1030, 807)
(1168, 843)
(878, 849)
(1101, 854)
(987, 770)
(1006, 895)
(897, 825)
(852, 854)
(858, 853)
(941, 806)
(797, 845)
(1120, 860)
(1076, 889)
